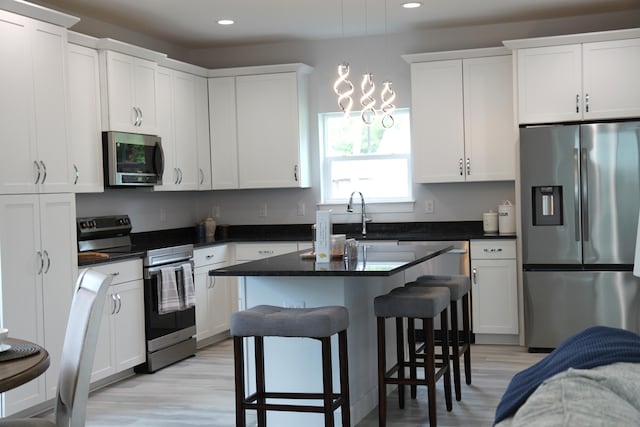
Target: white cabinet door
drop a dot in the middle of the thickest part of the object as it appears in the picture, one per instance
(223, 133)
(490, 130)
(33, 107)
(202, 134)
(38, 271)
(213, 294)
(550, 84)
(610, 73)
(84, 119)
(494, 287)
(269, 138)
(129, 325)
(437, 121)
(178, 129)
(129, 93)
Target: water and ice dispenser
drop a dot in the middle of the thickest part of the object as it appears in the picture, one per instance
(547, 205)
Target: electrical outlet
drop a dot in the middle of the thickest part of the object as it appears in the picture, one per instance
(301, 209)
(263, 210)
(429, 206)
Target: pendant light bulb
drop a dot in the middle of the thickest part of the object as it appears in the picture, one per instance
(344, 89)
(367, 101)
(388, 107)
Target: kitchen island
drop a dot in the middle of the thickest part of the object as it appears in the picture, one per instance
(296, 280)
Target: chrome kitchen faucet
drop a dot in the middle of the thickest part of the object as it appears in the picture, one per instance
(363, 213)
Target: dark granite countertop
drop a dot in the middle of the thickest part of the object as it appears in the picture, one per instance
(371, 261)
(405, 231)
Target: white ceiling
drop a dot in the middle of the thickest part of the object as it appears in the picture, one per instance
(192, 23)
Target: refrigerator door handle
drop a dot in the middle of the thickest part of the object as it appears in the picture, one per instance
(576, 194)
(585, 195)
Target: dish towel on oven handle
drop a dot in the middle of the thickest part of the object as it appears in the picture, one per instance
(168, 298)
(189, 290)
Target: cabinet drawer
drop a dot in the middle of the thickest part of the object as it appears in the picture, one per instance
(123, 271)
(253, 251)
(493, 249)
(210, 255)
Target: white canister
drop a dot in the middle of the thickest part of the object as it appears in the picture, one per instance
(490, 222)
(507, 218)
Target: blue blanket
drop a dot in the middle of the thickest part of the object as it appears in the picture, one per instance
(595, 346)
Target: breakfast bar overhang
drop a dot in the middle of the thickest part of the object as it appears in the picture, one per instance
(296, 280)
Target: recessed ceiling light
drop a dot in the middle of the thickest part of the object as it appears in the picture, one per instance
(226, 21)
(411, 4)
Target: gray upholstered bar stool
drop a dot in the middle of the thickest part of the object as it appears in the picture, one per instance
(317, 323)
(419, 303)
(459, 287)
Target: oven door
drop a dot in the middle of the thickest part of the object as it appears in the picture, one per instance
(163, 330)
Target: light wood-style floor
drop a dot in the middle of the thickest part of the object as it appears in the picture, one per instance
(199, 392)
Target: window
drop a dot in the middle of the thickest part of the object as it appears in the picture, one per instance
(370, 159)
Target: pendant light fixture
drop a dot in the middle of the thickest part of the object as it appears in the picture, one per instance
(344, 89)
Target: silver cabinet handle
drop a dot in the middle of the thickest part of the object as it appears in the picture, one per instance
(468, 166)
(577, 103)
(180, 171)
(295, 173)
(75, 168)
(175, 181)
(119, 303)
(41, 262)
(266, 252)
(141, 116)
(38, 170)
(46, 254)
(114, 305)
(212, 282)
(201, 176)
(461, 167)
(44, 168)
(586, 102)
(209, 256)
(137, 117)
(117, 273)
(475, 275)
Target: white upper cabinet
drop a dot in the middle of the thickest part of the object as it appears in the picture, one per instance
(33, 107)
(84, 119)
(462, 117)
(202, 134)
(259, 128)
(577, 81)
(129, 93)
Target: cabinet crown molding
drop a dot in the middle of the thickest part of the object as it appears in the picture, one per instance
(455, 54)
(297, 67)
(39, 12)
(600, 36)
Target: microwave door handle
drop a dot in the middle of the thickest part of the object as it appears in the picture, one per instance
(158, 158)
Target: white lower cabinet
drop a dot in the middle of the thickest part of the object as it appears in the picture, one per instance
(215, 299)
(121, 341)
(494, 286)
(38, 269)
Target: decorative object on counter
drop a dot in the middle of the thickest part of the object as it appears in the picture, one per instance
(323, 236)
(201, 232)
(490, 222)
(506, 218)
(210, 226)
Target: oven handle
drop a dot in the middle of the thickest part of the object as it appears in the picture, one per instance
(150, 272)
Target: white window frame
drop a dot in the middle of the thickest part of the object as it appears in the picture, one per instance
(374, 204)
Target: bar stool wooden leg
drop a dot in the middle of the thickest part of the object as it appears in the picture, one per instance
(429, 370)
(327, 382)
(238, 357)
(445, 359)
(344, 378)
(467, 338)
(260, 390)
(382, 363)
(411, 331)
(400, 358)
(455, 349)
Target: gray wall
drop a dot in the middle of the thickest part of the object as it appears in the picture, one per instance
(379, 55)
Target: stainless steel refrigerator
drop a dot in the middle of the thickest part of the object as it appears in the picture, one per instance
(580, 192)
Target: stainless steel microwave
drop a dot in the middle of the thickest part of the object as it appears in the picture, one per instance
(132, 159)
